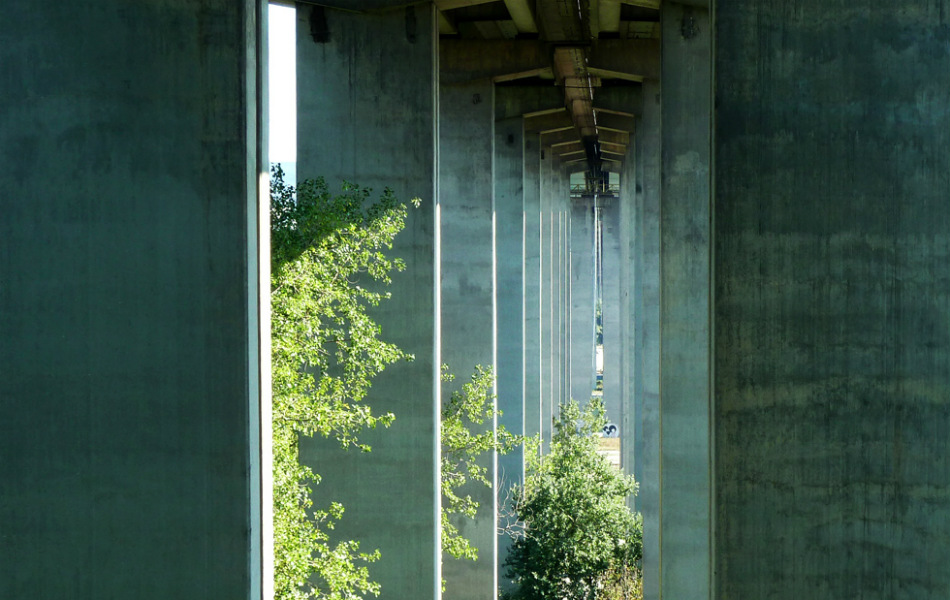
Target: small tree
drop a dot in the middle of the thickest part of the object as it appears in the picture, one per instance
(576, 529)
(326, 351)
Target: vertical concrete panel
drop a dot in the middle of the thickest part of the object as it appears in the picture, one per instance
(685, 279)
(610, 213)
(466, 123)
(532, 283)
(582, 298)
(643, 382)
(509, 256)
(366, 109)
(629, 431)
(548, 286)
(564, 312)
(551, 193)
(832, 294)
(509, 319)
(128, 313)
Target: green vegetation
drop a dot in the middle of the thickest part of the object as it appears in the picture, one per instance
(577, 538)
(465, 441)
(326, 350)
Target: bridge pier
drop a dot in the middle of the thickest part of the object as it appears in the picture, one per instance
(367, 113)
(581, 298)
(466, 129)
(133, 323)
(685, 551)
(640, 323)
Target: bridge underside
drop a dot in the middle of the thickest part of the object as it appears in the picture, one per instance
(776, 295)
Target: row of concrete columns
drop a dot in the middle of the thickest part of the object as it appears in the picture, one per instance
(489, 252)
(501, 274)
(783, 295)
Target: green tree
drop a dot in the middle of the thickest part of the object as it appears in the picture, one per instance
(576, 531)
(326, 248)
(465, 443)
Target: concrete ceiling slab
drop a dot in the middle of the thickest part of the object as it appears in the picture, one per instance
(453, 4)
(610, 16)
(630, 58)
(523, 16)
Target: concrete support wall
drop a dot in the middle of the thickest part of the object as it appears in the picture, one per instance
(532, 283)
(685, 469)
(130, 387)
(564, 308)
(832, 295)
(640, 215)
(366, 108)
(466, 126)
(551, 361)
(582, 298)
(610, 235)
(509, 316)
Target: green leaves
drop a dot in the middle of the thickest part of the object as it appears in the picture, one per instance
(576, 528)
(329, 268)
(465, 441)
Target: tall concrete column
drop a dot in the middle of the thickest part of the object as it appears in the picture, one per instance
(131, 389)
(550, 334)
(509, 257)
(564, 311)
(685, 461)
(610, 306)
(640, 271)
(509, 316)
(466, 125)
(532, 283)
(832, 148)
(366, 110)
(582, 298)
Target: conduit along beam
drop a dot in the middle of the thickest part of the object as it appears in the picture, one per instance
(571, 73)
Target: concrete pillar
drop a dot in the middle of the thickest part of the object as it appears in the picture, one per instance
(685, 461)
(640, 271)
(832, 266)
(509, 316)
(564, 310)
(367, 113)
(550, 334)
(131, 388)
(466, 125)
(613, 352)
(509, 256)
(532, 283)
(582, 298)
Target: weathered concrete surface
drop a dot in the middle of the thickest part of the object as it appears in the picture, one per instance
(466, 125)
(367, 113)
(532, 283)
(832, 293)
(551, 358)
(610, 306)
(685, 469)
(640, 210)
(564, 309)
(509, 316)
(582, 299)
(128, 319)
(470, 60)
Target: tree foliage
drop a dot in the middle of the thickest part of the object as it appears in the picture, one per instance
(328, 263)
(465, 443)
(576, 531)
